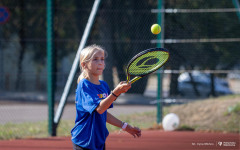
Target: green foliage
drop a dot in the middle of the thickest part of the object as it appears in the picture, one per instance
(234, 109)
(203, 25)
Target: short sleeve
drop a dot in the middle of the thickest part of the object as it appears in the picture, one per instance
(86, 98)
(89, 101)
(88, 95)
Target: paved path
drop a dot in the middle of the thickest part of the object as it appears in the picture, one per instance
(32, 107)
(18, 113)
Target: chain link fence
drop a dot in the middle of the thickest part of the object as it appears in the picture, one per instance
(202, 37)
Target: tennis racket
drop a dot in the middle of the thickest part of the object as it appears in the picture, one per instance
(146, 62)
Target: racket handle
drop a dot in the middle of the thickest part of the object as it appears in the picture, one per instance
(135, 79)
(128, 78)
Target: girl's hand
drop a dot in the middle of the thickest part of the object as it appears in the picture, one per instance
(122, 87)
(134, 131)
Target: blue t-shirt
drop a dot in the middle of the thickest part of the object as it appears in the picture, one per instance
(90, 129)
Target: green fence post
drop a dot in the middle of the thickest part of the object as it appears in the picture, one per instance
(50, 68)
(159, 76)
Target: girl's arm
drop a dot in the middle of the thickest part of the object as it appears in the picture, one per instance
(122, 87)
(114, 121)
(134, 131)
(105, 104)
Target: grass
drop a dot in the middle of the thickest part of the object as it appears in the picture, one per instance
(17, 131)
(220, 114)
(40, 129)
(234, 109)
(142, 120)
(214, 114)
(33, 129)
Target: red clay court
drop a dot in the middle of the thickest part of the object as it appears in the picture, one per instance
(150, 140)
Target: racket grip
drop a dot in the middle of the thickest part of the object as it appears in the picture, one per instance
(128, 78)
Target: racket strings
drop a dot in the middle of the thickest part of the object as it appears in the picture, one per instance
(147, 63)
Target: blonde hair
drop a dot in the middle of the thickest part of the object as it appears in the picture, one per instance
(86, 55)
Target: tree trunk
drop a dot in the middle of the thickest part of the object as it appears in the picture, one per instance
(22, 47)
(213, 92)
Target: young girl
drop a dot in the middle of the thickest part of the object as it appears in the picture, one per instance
(93, 98)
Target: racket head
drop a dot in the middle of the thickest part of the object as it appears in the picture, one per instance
(147, 62)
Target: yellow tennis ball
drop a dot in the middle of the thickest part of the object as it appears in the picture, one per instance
(156, 29)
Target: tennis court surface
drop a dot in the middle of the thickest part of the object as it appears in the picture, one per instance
(150, 140)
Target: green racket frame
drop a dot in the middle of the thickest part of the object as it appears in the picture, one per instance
(138, 66)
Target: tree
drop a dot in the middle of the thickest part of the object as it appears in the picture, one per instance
(201, 25)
